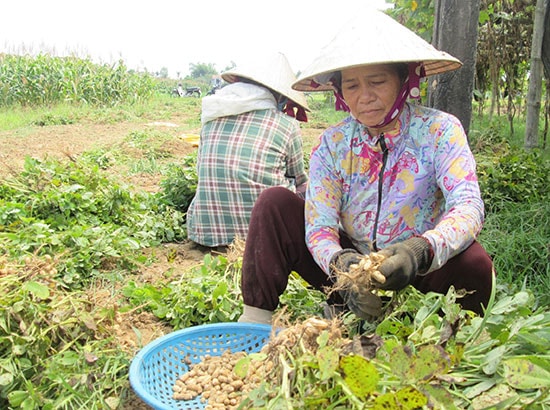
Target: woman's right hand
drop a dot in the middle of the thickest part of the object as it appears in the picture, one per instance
(361, 301)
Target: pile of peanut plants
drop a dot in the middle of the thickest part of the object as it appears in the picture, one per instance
(64, 225)
(56, 348)
(426, 353)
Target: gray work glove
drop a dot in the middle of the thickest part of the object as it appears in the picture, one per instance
(404, 261)
(362, 302)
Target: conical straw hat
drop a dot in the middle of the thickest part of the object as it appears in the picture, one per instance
(373, 37)
(272, 71)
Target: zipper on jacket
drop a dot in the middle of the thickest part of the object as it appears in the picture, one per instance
(384, 147)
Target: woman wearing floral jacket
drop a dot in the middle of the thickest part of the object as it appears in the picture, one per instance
(393, 177)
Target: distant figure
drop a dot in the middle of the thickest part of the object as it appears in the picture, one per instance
(249, 142)
(180, 90)
(190, 91)
(215, 84)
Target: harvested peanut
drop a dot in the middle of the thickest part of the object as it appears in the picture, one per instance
(362, 276)
(214, 378)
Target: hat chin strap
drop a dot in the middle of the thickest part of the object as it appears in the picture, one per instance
(397, 106)
(340, 103)
(410, 87)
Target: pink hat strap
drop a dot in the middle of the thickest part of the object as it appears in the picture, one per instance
(300, 114)
(340, 103)
(314, 84)
(411, 87)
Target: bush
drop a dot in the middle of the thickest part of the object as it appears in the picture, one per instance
(180, 184)
(75, 211)
(518, 176)
(45, 80)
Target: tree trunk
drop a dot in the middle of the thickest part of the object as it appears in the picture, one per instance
(455, 31)
(546, 106)
(546, 42)
(535, 78)
(546, 64)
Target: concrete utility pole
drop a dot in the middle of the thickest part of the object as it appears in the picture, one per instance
(455, 31)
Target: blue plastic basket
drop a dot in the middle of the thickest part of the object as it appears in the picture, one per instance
(155, 369)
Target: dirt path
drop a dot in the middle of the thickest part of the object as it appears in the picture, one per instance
(57, 141)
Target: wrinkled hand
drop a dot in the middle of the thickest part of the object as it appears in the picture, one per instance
(403, 261)
(301, 190)
(362, 302)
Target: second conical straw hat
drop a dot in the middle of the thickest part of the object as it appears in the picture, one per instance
(272, 71)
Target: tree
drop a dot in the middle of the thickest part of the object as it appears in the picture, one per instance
(163, 73)
(417, 15)
(535, 78)
(455, 31)
(546, 63)
(504, 47)
(200, 70)
(546, 42)
(231, 66)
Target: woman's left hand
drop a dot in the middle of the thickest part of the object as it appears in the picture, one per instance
(403, 261)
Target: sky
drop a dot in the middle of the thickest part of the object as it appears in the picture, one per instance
(150, 35)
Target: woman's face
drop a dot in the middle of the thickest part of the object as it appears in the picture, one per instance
(370, 92)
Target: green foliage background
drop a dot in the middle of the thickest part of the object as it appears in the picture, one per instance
(47, 80)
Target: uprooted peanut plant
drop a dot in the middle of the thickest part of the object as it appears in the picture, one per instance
(427, 353)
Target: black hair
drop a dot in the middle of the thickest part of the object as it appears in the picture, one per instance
(402, 70)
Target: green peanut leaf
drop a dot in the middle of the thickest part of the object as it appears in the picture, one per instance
(523, 373)
(359, 374)
(409, 398)
(430, 360)
(37, 289)
(241, 367)
(328, 359)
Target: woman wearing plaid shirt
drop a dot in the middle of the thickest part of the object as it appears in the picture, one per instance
(249, 142)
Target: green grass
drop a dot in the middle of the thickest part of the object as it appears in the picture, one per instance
(518, 239)
(322, 113)
(159, 108)
(493, 131)
(19, 117)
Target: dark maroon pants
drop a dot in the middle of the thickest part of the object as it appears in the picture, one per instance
(275, 247)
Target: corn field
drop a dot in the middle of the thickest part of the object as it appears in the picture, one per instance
(44, 80)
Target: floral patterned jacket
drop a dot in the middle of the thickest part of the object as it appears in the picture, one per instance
(423, 183)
